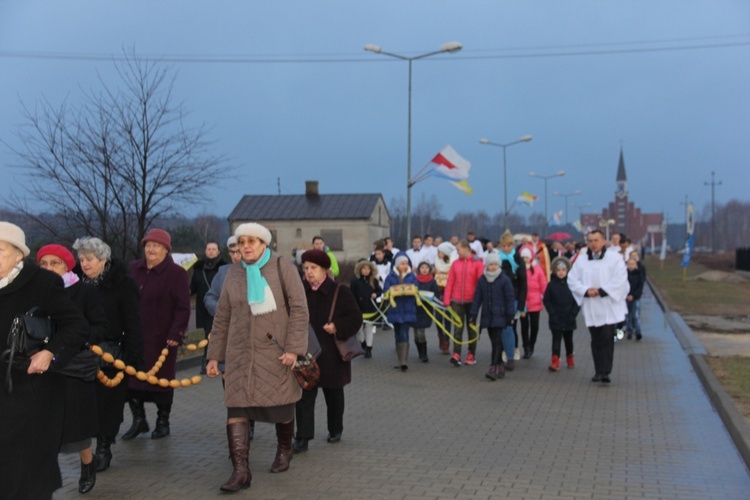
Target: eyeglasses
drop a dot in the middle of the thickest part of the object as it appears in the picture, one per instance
(234, 252)
(50, 263)
(249, 240)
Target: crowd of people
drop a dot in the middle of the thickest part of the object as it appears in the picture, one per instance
(262, 312)
(496, 286)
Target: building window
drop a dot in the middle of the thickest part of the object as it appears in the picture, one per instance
(334, 238)
(298, 233)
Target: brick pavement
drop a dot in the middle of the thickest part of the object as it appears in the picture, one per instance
(443, 432)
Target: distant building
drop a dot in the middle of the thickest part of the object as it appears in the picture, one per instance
(348, 223)
(627, 217)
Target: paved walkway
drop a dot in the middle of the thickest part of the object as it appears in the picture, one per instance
(443, 432)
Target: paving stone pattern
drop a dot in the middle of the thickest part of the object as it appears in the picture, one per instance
(443, 432)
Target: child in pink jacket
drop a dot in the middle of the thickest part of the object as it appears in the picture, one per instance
(536, 284)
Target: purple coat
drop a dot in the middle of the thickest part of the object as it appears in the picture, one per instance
(165, 312)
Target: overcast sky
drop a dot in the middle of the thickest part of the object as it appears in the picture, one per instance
(667, 81)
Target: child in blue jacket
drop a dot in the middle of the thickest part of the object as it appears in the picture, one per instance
(404, 314)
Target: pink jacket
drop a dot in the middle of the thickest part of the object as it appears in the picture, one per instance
(462, 280)
(536, 284)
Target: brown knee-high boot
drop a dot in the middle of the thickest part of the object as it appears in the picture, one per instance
(239, 446)
(284, 435)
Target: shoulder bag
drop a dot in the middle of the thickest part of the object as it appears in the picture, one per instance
(29, 334)
(351, 347)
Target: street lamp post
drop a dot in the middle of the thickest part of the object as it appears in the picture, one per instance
(525, 138)
(713, 185)
(566, 196)
(580, 208)
(447, 47)
(546, 178)
(607, 223)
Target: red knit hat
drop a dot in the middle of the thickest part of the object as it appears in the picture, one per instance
(158, 236)
(318, 257)
(58, 251)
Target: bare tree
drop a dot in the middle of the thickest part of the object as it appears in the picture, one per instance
(118, 161)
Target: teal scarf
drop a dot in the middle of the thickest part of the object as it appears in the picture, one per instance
(510, 257)
(256, 283)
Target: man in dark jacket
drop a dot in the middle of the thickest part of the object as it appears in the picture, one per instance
(204, 272)
(636, 278)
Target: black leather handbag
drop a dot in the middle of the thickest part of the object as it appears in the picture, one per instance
(29, 334)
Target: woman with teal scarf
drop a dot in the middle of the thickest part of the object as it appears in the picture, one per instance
(513, 267)
(261, 295)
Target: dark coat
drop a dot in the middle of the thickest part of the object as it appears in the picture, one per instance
(561, 306)
(406, 307)
(165, 312)
(423, 320)
(31, 417)
(121, 300)
(204, 272)
(81, 416)
(362, 291)
(518, 279)
(637, 278)
(334, 373)
(497, 302)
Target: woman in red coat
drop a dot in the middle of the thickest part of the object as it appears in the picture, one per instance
(165, 311)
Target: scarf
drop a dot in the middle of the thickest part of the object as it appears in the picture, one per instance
(210, 264)
(511, 258)
(99, 279)
(70, 278)
(13, 274)
(259, 294)
(317, 284)
(492, 275)
(424, 278)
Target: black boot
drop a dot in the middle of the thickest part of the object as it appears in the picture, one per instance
(422, 350)
(368, 352)
(139, 419)
(88, 476)
(284, 435)
(162, 421)
(103, 452)
(250, 429)
(239, 448)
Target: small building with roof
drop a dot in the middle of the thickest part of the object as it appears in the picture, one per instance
(348, 223)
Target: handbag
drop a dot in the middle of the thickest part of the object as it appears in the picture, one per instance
(305, 369)
(84, 365)
(349, 348)
(29, 334)
(114, 347)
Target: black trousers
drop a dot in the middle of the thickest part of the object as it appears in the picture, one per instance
(497, 345)
(603, 347)
(305, 412)
(557, 337)
(530, 320)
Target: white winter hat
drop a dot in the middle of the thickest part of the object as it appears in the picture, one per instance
(446, 248)
(526, 252)
(253, 229)
(10, 233)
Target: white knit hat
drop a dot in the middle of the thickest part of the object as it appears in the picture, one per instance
(10, 233)
(253, 229)
(446, 248)
(526, 252)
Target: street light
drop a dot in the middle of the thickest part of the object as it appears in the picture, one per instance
(546, 178)
(449, 47)
(566, 196)
(607, 223)
(713, 185)
(525, 138)
(581, 207)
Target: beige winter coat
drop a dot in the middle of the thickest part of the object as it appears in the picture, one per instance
(254, 376)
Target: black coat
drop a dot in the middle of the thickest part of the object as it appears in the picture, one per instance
(81, 415)
(561, 306)
(496, 300)
(204, 273)
(334, 373)
(637, 278)
(423, 320)
(31, 417)
(362, 291)
(518, 279)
